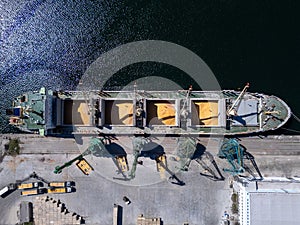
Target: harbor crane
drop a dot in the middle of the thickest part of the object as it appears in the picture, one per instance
(231, 150)
(96, 144)
(235, 154)
(138, 145)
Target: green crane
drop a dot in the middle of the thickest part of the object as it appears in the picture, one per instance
(231, 150)
(96, 144)
(185, 150)
(138, 145)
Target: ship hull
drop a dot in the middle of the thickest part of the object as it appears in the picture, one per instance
(139, 112)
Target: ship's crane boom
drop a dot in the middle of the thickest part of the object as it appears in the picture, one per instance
(231, 110)
(183, 111)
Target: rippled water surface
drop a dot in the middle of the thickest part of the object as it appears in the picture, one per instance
(51, 43)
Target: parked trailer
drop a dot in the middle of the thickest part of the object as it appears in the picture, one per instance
(30, 185)
(84, 166)
(7, 190)
(34, 191)
(60, 190)
(4, 190)
(62, 184)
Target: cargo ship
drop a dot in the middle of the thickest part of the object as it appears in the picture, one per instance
(141, 112)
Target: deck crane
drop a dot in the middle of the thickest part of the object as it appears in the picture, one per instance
(232, 111)
(184, 111)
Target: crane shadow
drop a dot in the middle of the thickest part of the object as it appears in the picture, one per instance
(251, 168)
(210, 167)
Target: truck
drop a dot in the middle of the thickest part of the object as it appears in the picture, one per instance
(60, 190)
(62, 184)
(84, 166)
(4, 190)
(7, 190)
(30, 185)
(34, 191)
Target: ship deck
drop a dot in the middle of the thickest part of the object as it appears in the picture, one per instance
(148, 112)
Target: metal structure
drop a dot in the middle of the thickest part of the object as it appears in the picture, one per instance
(186, 147)
(231, 150)
(233, 109)
(96, 145)
(138, 145)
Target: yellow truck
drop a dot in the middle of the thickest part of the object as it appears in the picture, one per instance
(34, 191)
(30, 185)
(62, 184)
(161, 163)
(84, 166)
(60, 190)
(122, 163)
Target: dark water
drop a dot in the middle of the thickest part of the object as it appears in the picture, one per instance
(51, 43)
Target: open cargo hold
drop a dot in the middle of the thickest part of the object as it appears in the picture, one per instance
(139, 112)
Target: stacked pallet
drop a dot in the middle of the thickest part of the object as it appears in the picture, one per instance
(148, 221)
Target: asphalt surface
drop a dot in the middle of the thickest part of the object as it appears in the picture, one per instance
(200, 201)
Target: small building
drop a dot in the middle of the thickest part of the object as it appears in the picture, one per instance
(26, 212)
(269, 203)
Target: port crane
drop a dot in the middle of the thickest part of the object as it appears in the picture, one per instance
(231, 150)
(138, 145)
(185, 150)
(202, 161)
(235, 154)
(96, 144)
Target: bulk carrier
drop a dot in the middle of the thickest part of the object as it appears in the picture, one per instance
(140, 112)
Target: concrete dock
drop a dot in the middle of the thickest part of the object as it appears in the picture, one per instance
(270, 145)
(201, 200)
